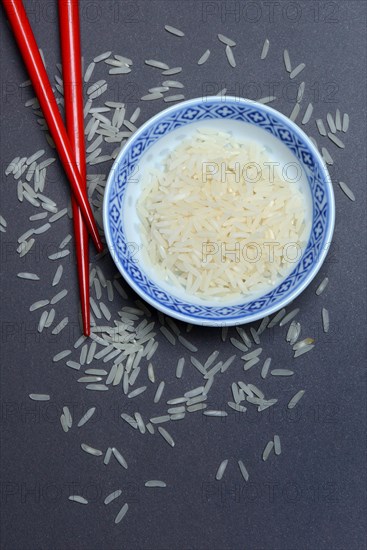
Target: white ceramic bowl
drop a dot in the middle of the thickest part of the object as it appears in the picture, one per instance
(284, 141)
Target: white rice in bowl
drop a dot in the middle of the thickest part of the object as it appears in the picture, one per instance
(220, 219)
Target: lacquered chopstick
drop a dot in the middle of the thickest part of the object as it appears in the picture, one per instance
(73, 95)
(37, 73)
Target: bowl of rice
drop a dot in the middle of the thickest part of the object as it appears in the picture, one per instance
(219, 211)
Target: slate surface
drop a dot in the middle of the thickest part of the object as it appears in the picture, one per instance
(313, 495)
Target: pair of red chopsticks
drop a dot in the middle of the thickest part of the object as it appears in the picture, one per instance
(70, 143)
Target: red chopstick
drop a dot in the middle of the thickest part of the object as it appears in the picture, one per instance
(28, 47)
(73, 95)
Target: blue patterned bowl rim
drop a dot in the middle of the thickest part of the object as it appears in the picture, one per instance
(279, 126)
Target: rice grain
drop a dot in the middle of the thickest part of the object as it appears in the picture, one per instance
(221, 469)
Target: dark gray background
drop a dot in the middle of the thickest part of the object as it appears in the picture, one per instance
(313, 495)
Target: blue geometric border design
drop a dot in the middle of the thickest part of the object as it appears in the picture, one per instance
(263, 117)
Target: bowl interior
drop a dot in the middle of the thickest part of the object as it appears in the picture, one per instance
(285, 143)
(154, 157)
